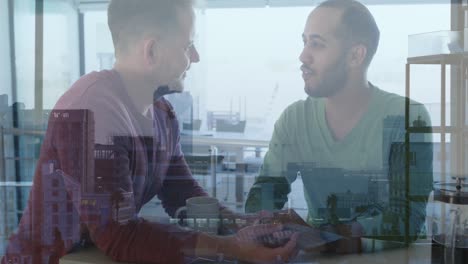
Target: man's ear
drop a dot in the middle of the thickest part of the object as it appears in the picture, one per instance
(357, 54)
(151, 52)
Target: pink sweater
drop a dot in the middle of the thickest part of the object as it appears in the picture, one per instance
(151, 164)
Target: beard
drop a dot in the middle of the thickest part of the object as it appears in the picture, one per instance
(333, 80)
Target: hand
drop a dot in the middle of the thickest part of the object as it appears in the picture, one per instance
(249, 248)
(255, 219)
(247, 219)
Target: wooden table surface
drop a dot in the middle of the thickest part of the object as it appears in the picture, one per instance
(417, 253)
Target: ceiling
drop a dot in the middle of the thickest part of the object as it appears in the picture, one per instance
(85, 5)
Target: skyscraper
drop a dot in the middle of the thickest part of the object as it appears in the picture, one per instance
(73, 132)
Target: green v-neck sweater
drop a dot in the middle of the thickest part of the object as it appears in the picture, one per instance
(302, 139)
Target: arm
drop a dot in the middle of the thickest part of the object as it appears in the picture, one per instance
(180, 244)
(135, 239)
(49, 224)
(399, 220)
(178, 186)
(403, 219)
(267, 193)
(245, 245)
(272, 186)
(394, 221)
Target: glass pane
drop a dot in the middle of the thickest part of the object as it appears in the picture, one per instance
(5, 64)
(25, 39)
(61, 52)
(227, 46)
(20, 146)
(99, 50)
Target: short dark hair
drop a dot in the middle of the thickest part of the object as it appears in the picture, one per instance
(130, 19)
(357, 25)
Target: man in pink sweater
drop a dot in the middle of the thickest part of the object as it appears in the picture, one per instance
(154, 48)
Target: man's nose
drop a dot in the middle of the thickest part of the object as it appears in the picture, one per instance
(194, 56)
(305, 57)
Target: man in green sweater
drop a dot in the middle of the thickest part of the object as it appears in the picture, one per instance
(347, 139)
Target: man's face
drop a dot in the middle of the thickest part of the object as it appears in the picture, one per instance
(179, 52)
(324, 58)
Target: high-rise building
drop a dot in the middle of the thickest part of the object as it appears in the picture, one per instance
(61, 216)
(8, 217)
(393, 131)
(419, 162)
(3, 105)
(108, 200)
(73, 132)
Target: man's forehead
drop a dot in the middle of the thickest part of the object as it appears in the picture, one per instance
(185, 23)
(323, 22)
(186, 14)
(187, 18)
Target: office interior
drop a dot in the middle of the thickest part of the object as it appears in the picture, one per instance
(248, 74)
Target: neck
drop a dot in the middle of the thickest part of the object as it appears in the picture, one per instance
(352, 99)
(137, 85)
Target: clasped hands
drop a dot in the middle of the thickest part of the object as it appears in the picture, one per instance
(255, 238)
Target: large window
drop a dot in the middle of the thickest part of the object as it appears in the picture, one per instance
(254, 54)
(61, 52)
(249, 71)
(24, 28)
(249, 58)
(22, 121)
(249, 65)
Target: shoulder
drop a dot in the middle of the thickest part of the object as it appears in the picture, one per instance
(92, 90)
(300, 108)
(295, 118)
(395, 105)
(103, 94)
(388, 99)
(393, 100)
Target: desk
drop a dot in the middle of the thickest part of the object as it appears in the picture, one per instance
(417, 253)
(86, 256)
(201, 142)
(228, 139)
